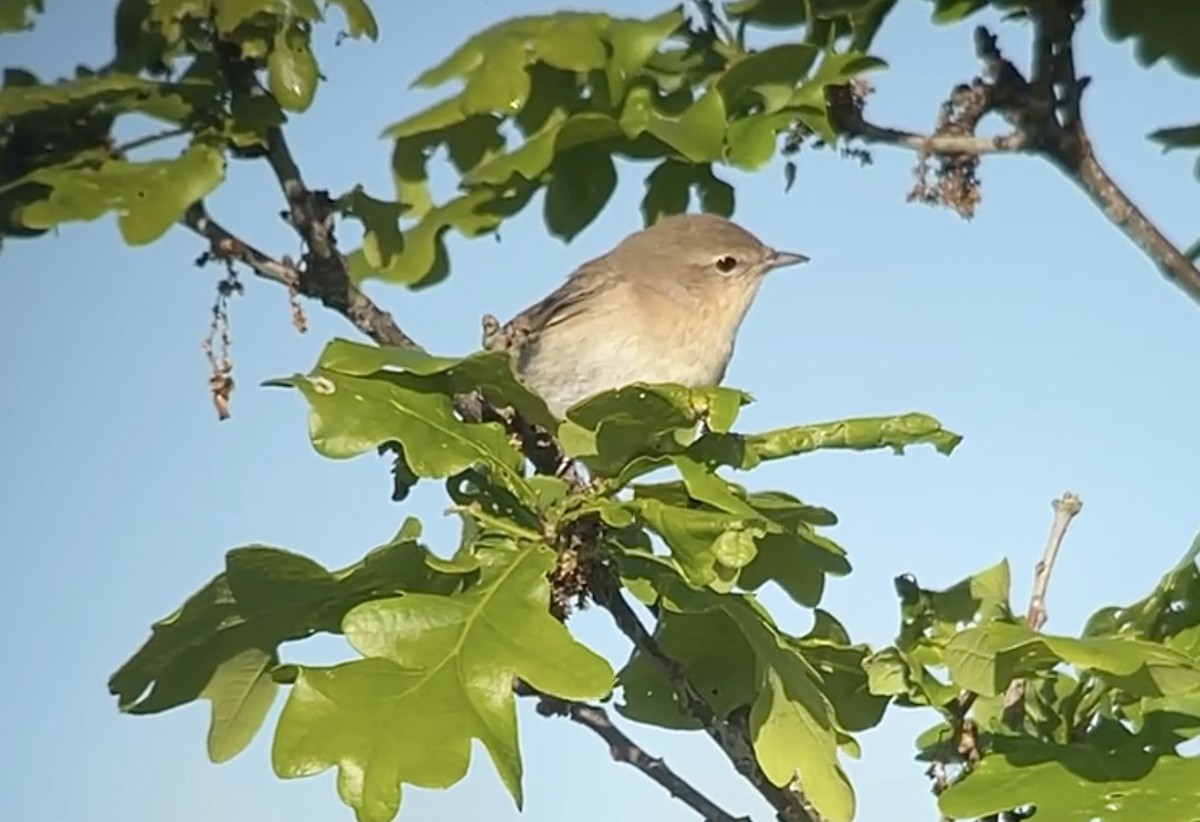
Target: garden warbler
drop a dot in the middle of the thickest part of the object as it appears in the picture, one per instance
(663, 306)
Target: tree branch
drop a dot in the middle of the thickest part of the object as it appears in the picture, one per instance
(624, 749)
(732, 736)
(353, 304)
(1046, 114)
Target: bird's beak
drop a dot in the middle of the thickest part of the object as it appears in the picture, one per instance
(782, 259)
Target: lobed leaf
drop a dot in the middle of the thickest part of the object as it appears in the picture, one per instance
(746, 451)
(1116, 777)
(438, 673)
(986, 658)
(488, 371)
(265, 597)
(794, 727)
(148, 197)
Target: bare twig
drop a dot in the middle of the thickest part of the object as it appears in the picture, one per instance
(150, 139)
(1046, 114)
(1066, 508)
(353, 304)
(624, 749)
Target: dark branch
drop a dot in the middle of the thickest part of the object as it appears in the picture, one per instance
(624, 749)
(1045, 112)
(731, 736)
(354, 305)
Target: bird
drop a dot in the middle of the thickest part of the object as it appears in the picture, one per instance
(662, 306)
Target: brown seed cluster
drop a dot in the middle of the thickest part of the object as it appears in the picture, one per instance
(955, 179)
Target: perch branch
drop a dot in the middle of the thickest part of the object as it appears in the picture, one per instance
(623, 749)
(1046, 115)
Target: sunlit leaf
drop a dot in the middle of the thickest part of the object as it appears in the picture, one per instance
(241, 692)
(148, 197)
(265, 597)
(438, 673)
(292, 70)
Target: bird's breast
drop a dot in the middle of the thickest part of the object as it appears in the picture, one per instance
(651, 340)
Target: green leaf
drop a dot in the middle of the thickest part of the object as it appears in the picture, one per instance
(265, 597)
(471, 142)
(768, 77)
(669, 190)
(292, 70)
(251, 118)
(705, 485)
(836, 68)
(752, 140)
(241, 691)
(438, 674)
(1160, 29)
(987, 657)
(360, 19)
(719, 662)
(698, 134)
(864, 434)
(1179, 137)
(18, 15)
(828, 648)
(633, 42)
(793, 725)
(530, 160)
(769, 13)
(691, 535)
(490, 372)
(1118, 777)
(954, 11)
(938, 615)
(791, 740)
(382, 239)
(352, 415)
(798, 561)
(1158, 615)
(423, 262)
(643, 419)
(574, 43)
(581, 183)
(503, 85)
(148, 197)
(434, 118)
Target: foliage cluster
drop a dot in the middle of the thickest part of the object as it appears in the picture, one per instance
(1081, 727)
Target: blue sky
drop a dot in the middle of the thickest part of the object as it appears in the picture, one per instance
(1037, 331)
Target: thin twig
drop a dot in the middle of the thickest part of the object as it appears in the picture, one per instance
(1066, 508)
(354, 305)
(624, 749)
(1046, 114)
(149, 139)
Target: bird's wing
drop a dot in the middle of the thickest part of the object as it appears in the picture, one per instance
(564, 302)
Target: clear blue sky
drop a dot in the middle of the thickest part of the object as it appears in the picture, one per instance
(1037, 331)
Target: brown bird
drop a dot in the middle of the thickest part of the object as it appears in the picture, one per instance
(663, 306)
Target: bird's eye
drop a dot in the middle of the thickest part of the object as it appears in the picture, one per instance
(726, 264)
